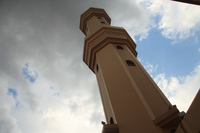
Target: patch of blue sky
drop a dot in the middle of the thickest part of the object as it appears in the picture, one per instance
(174, 59)
(56, 94)
(156, 19)
(30, 75)
(145, 4)
(12, 92)
(18, 105)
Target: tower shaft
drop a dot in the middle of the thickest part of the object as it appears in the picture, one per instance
(131, 100)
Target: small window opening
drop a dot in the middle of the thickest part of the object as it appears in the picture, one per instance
(130, 63)
(102, 22)
(111, 120)
(97, 68)
(119, 47)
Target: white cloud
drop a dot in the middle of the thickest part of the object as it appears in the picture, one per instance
(178, 20)
(8, 123)
(150, 68)
(133, 17)
(180, 90)
(199, 49)
(49, 109)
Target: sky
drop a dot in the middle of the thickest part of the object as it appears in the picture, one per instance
(45, 87)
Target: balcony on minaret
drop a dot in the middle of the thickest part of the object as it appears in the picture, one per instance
(110, 128)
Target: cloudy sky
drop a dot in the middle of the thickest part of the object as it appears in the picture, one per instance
(45, 87)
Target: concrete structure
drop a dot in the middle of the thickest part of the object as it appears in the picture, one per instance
(191, 121)
(132, 101)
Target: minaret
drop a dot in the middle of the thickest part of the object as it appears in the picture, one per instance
(132, 101)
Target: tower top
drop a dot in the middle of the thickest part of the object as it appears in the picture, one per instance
(90, 13)
(95, 24)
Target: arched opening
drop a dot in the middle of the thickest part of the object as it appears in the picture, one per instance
(111, 120)
(130, 63)
(119, 47)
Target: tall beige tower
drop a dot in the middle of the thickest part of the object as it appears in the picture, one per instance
(132, 101)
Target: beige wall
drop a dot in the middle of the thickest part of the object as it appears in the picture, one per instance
(154, 98)
(119, 91)
(99, 23)
(191, 121)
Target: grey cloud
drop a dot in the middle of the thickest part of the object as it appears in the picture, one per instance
(46, 35)
(7, 122)
(97, 117)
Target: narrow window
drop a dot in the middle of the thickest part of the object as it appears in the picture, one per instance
(102, 22)
(111, 120)
(97, 68)
(130, 63)
(119, 47)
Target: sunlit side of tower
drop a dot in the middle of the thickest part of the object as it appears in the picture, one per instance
(132, 101)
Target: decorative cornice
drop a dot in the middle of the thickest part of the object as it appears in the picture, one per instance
(101, 38)
(110, 128)
(168, 119)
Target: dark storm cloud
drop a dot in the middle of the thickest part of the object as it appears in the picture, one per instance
(43, 31)
(45, 34)
(40, 31)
